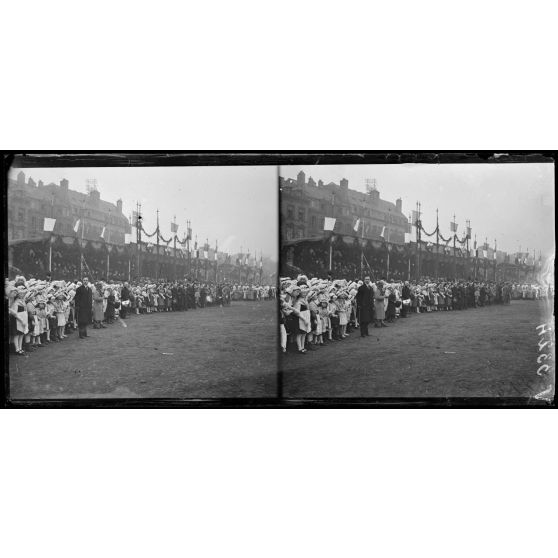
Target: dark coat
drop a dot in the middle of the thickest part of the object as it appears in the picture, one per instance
(365, 303)
(84, 305)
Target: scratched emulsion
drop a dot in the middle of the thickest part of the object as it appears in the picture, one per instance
(210, 353)
(483, 352)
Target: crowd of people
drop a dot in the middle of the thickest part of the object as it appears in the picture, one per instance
(45, 311)
(315, 312)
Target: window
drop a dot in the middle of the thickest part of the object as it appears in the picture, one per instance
(290, 232)
(290, 212)
(313, 221)
(301, 214)
(300, 233)
(21, 214)
(34, 224)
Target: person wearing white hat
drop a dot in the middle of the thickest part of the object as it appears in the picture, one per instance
(18, 321)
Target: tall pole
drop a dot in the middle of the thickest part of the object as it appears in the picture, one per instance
(240, 267)
(476, 261)
(157, 256)
(495, 260)
(437, 245)
(50, 237)
(468, 254)
(138, 239)
(108, 253)
(362, 250)
(454, 254)
(188, 235)
(216, 262)
(174, 266)
(387, 249)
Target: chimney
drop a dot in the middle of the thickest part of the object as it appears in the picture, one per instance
(320, 183)
(64, 184)
(95, 196)
(119, 206)
(344, 184)
(41, 183)
(21, 178)
(31, 182)
(399, 205)
(300, 179)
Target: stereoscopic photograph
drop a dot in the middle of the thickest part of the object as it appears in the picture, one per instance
(141, 282)
(417, 281)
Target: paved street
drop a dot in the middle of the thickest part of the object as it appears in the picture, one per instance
(486, 352)
(209, 353)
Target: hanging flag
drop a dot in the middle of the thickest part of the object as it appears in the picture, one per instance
(494, 254)
(409, 228)
(246, 259)
(215, 255)
(174, 227)
(415, 217)
(469, 233)
(484, 254)
(383, 232)
(49, 224)
(135, 216)
(206, 254)
(261, 263)
(189, 235)
(103, 233)
(329, 223)
(76, 226)
(453, 226)
(357, 225)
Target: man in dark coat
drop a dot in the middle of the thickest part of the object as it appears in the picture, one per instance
(365, 305)
(124, 298)
(405, 295)
(84, 305)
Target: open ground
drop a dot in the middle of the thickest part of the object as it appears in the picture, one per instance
(206, 353)
(484, 352)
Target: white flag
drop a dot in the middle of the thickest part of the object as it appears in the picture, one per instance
(49, 224)
(357, 225)
(329, 223)
(383, 232)
(215, 255)
(494, 254)
(206, 254)
(76, 226)
(103, 233)
(484, 254)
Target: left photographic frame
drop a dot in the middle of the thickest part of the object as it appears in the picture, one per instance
(129, 279)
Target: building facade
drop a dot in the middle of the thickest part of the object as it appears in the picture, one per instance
(306, 204)
(30, 203)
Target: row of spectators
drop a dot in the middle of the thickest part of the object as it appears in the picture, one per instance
(45, 311)
(315, 312)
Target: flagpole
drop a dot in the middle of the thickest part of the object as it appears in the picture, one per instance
(188, 246)
(495, 260)
(157, 257)
(174, 270)
(240, 267)
(50, 238)
(468, 254)
(454, 254)
(108, 253)
(138, 239)
(437, 245)
(216, 262)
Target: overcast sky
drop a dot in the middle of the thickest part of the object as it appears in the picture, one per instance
(513, 203)
(238, 206)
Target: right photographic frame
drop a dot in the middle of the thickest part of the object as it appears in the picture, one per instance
(417, 277)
